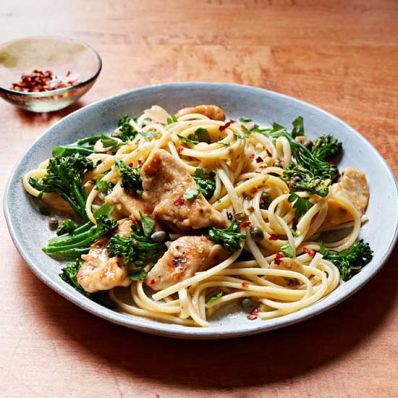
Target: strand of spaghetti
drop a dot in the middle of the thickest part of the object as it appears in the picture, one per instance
(147, 314)
(184, 305)
(196, 278)
(236, 203)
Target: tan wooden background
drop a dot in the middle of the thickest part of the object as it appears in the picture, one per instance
(339, 55)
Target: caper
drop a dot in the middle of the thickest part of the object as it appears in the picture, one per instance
(53, 223)
(240, 216)
(257, 233)
(265, 201)
(247, 304)
(159, 236)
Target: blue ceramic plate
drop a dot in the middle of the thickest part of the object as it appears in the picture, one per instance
(260, 105)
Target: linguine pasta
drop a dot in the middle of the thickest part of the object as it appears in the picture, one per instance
(280, 267)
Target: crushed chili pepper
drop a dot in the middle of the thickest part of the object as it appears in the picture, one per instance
(180, 201)
(39, 81)
(180, 149)
(259, 159)
(245, 284)
(251, 157)
(226, 125)
(278, 257)
(140, 162)
(253, 314)
(309, 251)
(273, 237)
(245, 224)
(269, 153)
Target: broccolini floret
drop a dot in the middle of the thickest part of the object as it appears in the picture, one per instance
(64, 177)
(350, 261)
(230, 238)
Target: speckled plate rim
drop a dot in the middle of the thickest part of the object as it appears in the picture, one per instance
(184, 332)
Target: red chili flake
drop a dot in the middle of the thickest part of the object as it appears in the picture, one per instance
(245, 284)
(180, 201)
(278, 257)
(253, 314)
(251, 157)
(273, 237)
(40, 80)
(226, 125)
(152, 282)
(245, 224)
(263, 167)
(309, 251)
(180, 149)
(259, 159)
(269, 153)
(130, 164)
(140, 162)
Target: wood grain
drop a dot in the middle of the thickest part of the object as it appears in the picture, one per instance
(339, 55)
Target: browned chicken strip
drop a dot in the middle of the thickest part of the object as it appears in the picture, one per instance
(353, 186)
(213, 112)
(185, 256)
(166, 182)
(126, 204)
(101, 272)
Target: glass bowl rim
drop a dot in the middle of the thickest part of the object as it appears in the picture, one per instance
(50, 93)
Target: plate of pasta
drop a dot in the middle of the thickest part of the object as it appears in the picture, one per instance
(199, 210)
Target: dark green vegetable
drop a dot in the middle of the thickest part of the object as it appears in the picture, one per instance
(215, 297)
(73, 245)
(300, 205)
(171, 120)
(350, 261)
(109, 143)
(200, 135)
(103, 186)
(85, 147)
(326, 147)
(229, 238)
(147, 224)
(137, 249)
(64, 177)
(206, 181)
(298, 127)
(125, 131)
(69, 275)
(67, 226)
(137, 274)
(131, 178)
(308, 171)
(287, 250)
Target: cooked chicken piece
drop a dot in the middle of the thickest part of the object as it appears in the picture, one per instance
(353, 186)
(126, 204)
(184, 257)
(101, 272)
(213, 112)
(124, 227)
(165, 182)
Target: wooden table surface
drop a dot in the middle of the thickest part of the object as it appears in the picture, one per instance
(339, 55)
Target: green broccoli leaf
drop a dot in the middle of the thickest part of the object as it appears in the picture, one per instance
(230, 238)
(301, 205)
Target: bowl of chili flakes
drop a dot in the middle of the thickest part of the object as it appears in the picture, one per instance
(46, 73)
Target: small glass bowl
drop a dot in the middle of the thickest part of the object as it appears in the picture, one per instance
(56, 54)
